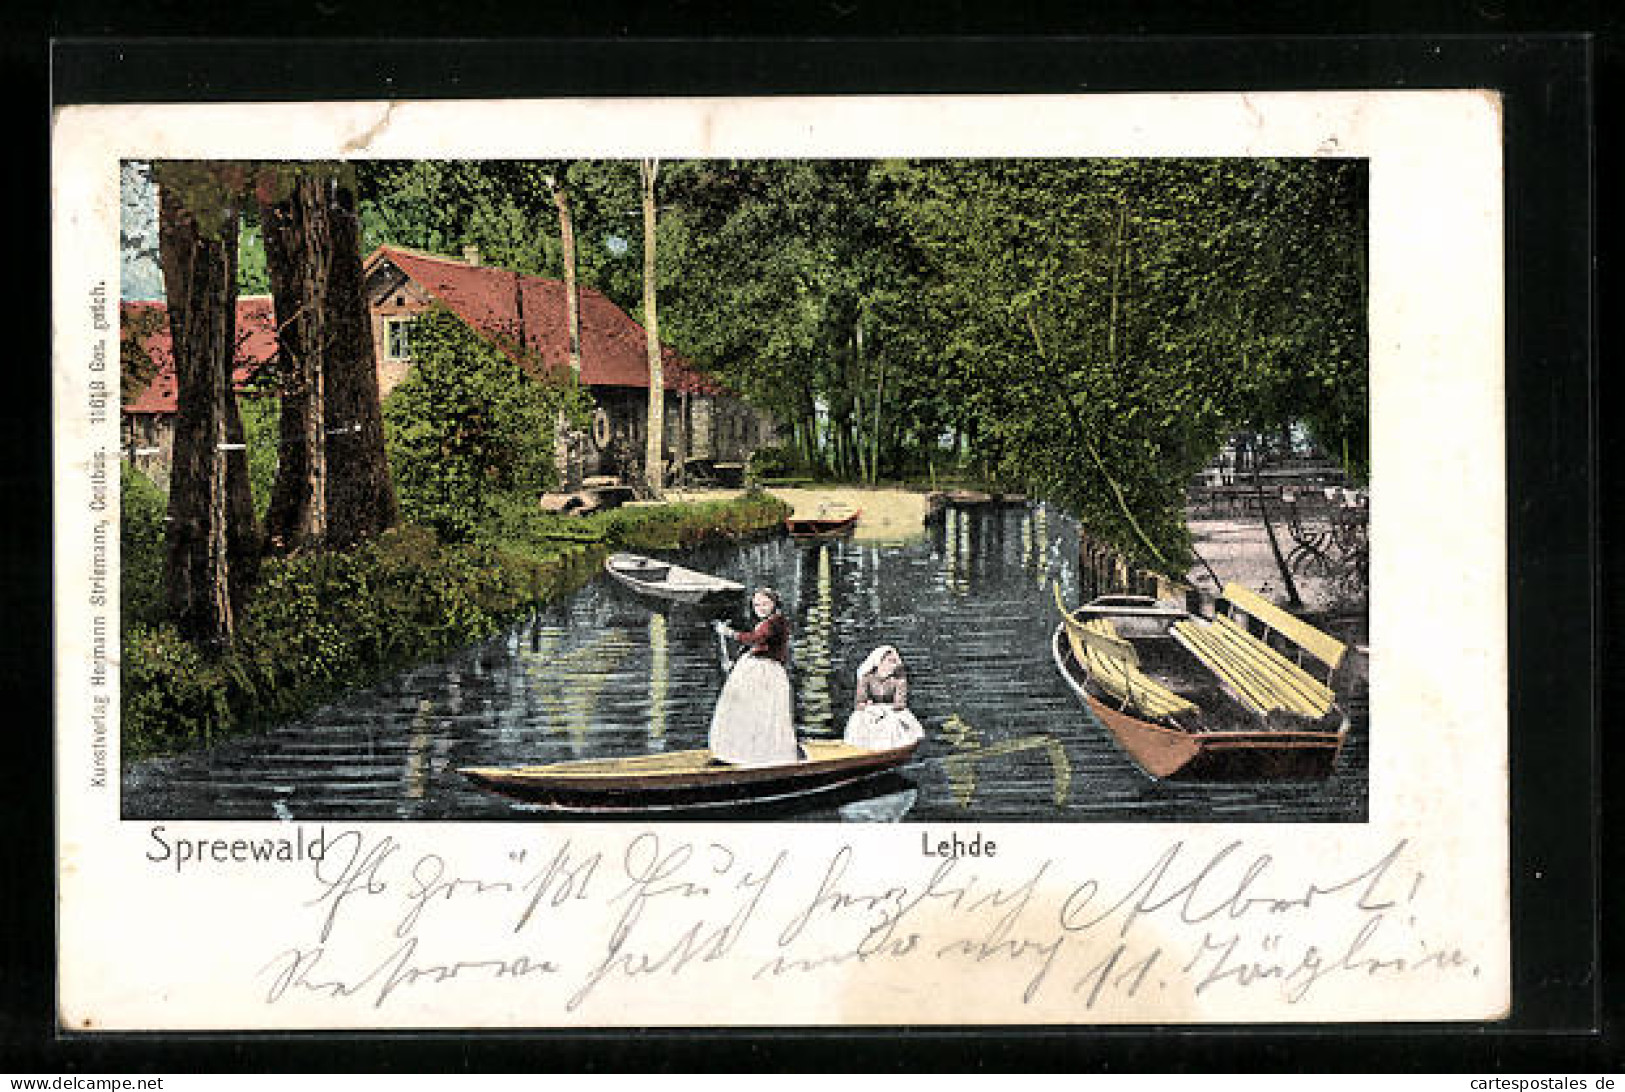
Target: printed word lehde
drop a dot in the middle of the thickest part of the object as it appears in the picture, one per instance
(955, 846)
(184, 851)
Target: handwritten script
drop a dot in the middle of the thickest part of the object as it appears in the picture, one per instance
(576, 928)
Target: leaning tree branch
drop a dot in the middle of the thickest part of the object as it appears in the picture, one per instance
(1094, 454)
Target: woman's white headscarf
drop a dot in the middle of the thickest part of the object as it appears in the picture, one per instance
(872, 661)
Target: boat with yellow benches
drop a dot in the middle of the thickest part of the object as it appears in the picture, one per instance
(1245, 696)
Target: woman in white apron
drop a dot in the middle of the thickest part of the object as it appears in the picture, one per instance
(881, 720)
(753, 724)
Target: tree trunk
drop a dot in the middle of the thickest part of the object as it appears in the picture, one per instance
(297, 517)
(1293, 599)
(654, 451)
(243, 540)
(564, 440)
(880, 396)
(360, 492)
(809, 429)
(572, 294)
(683, 430)
(208, 485)
(333, 485)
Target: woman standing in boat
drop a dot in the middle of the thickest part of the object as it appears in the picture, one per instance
(753, 724)
(881, 720)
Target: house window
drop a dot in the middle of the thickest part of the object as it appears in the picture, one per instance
(396, 345)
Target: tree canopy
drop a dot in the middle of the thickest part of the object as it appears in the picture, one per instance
(1090, 330)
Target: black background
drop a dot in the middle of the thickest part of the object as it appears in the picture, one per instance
(1564, 1017)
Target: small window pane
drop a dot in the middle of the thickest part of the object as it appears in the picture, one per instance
(396, 347)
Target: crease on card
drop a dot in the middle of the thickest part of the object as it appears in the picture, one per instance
(363, 141)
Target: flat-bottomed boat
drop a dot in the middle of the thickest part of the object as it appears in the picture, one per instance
(663, 580)
(1191, 699)
(684, 779)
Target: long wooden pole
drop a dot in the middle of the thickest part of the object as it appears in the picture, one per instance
(654, 450)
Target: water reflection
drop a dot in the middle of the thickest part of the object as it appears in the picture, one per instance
(607, 673)
(418, 752)
(659, 676)
(812, 644)
(969, 752)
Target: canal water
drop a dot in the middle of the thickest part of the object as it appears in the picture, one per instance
(968, 601)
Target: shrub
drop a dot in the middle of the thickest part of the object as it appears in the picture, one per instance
(467, 426)
(173, 699)
(776, 462)
(141, 562)
(262, 417)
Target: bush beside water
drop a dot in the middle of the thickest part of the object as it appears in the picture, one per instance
(319, 624)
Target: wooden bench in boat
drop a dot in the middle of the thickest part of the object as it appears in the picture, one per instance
(1263, 678)
(1113, 663)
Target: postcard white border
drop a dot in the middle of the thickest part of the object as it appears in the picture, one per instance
(142, 947)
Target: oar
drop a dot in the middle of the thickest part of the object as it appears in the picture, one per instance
(722, 648)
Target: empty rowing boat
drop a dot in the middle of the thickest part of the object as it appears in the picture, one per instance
(1207, 701)
(683, 779)
(831, 521)
(663, 580)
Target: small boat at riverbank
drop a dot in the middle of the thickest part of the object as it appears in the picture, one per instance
(684, 779)
(831, 521)
(585, 501)
(663, 580)
(1190, 699)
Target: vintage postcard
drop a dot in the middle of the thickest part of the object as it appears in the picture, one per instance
(743, 562)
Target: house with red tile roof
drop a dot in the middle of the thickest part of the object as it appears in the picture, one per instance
(149, 418)
(526, 317)
(521, 314)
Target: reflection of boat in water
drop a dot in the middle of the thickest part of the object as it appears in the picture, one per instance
(1205, 701)
(881, 807)
(685, 779)
(831, 521)
(664, 580)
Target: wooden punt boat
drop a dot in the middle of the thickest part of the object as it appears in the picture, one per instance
(1204, 701)
(663, 580)
(832, 521)
(685, 779)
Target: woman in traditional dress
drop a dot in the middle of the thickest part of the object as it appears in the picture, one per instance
(881, 720)
(753, 724)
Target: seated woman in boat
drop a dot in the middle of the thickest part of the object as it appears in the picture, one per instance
(881, 720)
(753, 724)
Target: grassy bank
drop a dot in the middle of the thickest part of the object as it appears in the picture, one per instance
(324, 623)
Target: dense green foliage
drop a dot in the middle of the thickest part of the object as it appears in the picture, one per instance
(468, 428)
(320, 623)
(506, 209)
(141, 548)
(1112, 322)
(261, 416)
(253, 278)
(776, 461)
(136, 366)
(1091, 330)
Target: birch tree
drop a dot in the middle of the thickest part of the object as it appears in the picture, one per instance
(654, 450)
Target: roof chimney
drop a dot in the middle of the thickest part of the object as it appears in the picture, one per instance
(471, 254)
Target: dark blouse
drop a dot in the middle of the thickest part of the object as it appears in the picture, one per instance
(770, 638)
(893, 691)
